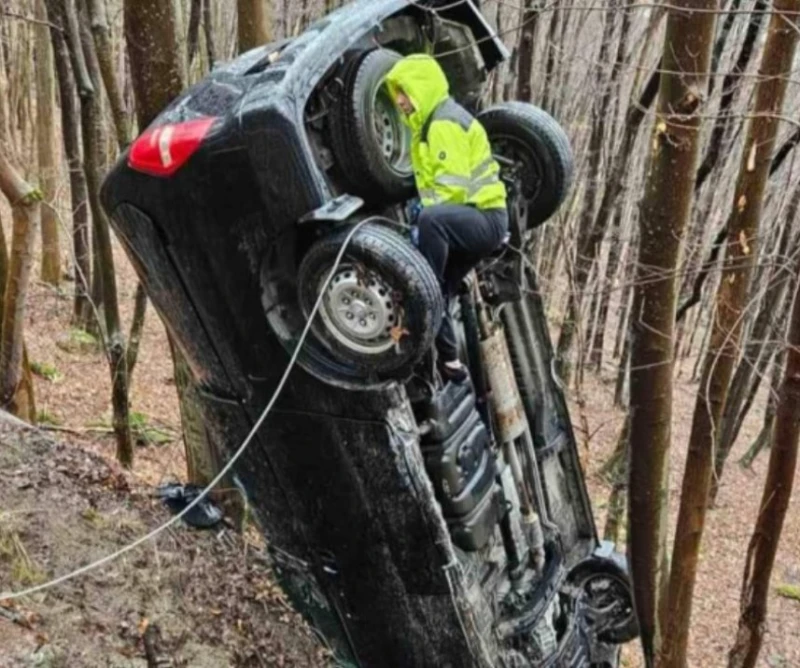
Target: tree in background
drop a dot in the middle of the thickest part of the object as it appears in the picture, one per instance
(726, 326)
(774, 503)
(46, 149)
(664, 213)
(25, 201)
(254, 23)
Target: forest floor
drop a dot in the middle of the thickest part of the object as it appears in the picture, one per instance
(106, 611)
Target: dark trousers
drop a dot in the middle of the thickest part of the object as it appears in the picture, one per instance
(454, 238)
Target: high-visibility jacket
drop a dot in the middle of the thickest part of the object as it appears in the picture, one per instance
(450, 151)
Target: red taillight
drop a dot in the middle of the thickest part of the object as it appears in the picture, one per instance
(163, 150)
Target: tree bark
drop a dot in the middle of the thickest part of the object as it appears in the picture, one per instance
(726, 326)
(102, 41)
(45, 144)
(156, 71)
(730, 89)
(93, 146)
(255, 23)
(774, 503)
(82, 311)
(527, 41)
(208, 32)
(193, 34)
(758, 349)
(589, 238)
(25, 202)
(664, 213)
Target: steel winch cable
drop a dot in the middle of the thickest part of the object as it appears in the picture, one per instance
(8, 596)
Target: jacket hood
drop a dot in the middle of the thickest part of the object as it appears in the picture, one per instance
(422, 79)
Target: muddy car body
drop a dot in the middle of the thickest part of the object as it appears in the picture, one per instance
(393, 517)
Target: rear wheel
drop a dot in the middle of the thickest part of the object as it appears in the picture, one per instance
(382, 306)
(534, 154)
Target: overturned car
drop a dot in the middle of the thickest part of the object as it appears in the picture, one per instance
(414, 522)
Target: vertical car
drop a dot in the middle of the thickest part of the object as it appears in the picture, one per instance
(415, 523)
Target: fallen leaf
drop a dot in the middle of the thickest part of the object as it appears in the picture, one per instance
(143, 625)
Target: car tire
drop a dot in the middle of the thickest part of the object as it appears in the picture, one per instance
(382, 291)
(532, 139)
(375, 167)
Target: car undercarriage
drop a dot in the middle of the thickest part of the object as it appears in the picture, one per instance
(414, 522)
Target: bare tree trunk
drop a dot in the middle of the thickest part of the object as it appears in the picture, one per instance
(618, 475)
(527, 41)
(757, 350)
(664, 213)
(102, 43)
(774, 503)
(726, 326)
(156, 71)
(763, 438)
(25, 209)
(208, 31)
(82, 310)
(193, 36)
(93, 143)
(589, 238)
(730, 89)
(102, 40)
(255, 23)
(46, 150)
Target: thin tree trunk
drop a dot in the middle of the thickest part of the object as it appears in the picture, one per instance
(255, 23)
(82, 308)
(604, 296)
(25, 202)
(102, 41)
(730, 89)
(93, 143)
(208, 31)
(193, 36)
(757, 351)
(527, 41)
(589, 237)
(664, 213)
(774, 504)
(618, 474)
(726, 326)
(763, 438)
(46, 150)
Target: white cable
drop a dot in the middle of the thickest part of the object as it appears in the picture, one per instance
(174, 520)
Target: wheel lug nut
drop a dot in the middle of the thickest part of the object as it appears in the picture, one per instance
(363, 323)
(350, 316)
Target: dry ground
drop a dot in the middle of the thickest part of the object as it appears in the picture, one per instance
(76, 398)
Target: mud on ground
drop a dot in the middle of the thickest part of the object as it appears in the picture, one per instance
(204, 599)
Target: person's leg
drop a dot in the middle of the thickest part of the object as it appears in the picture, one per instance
(453, 238)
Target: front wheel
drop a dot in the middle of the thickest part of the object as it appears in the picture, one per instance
(382, 306)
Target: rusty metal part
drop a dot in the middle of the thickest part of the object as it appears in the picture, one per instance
(506, 401)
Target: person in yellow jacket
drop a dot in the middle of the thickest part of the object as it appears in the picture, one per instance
(464, 216)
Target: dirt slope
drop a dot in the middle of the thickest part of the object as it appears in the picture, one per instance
(202, 599)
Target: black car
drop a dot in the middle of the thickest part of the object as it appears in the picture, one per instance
(414, 522)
